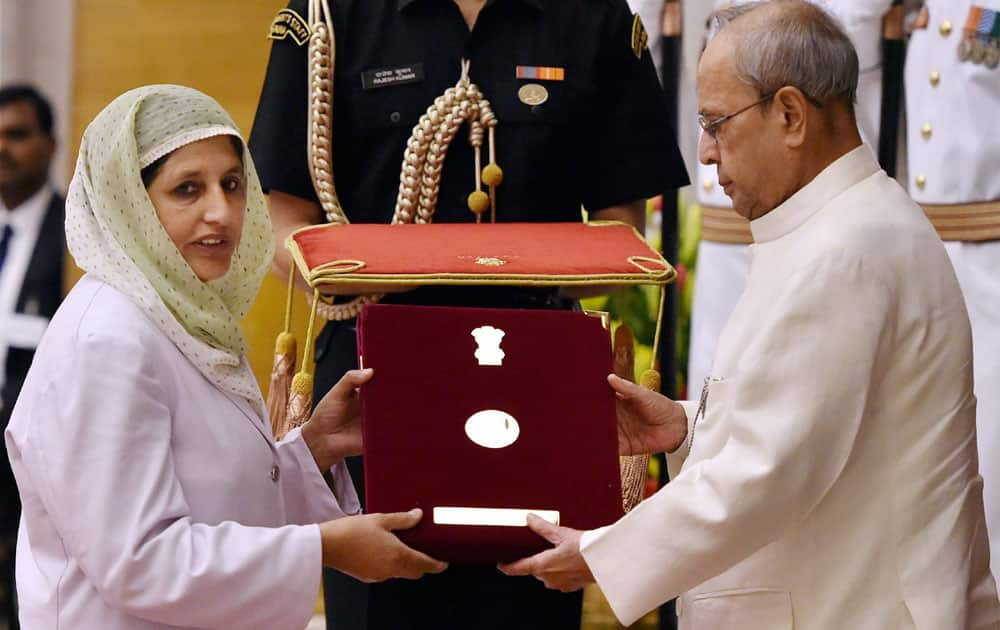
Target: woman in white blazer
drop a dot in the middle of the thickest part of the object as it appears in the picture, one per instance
(154, 493)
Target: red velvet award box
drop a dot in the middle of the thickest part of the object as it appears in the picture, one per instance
(480, 416)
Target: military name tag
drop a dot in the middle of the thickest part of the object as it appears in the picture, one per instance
(287, 24)
(387, 77)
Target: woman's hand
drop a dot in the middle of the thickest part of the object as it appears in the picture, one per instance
(648, 422)
(365, 548)
(333, 432)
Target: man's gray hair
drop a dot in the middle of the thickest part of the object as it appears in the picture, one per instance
(798, 44)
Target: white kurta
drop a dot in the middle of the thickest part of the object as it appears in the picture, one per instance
(151, 498)
(954, 145)
(832, 482)
(720, 274)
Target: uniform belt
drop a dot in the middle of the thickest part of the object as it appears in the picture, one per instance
(724, 225)
(966, 222)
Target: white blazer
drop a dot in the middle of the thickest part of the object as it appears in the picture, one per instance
(151, 498)
(832, 482)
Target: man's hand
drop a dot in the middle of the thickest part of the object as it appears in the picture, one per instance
(334, 430)
(561, 568)
(648, 422)
(365, 548)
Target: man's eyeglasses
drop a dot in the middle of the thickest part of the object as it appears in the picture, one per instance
(711, 127)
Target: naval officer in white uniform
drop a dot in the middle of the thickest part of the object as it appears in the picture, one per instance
(953, 141)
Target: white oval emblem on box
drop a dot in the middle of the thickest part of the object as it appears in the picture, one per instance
(492, 428)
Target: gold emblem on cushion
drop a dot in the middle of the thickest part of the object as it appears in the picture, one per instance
(490, 261)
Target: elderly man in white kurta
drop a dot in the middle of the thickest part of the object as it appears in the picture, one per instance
(721, 272)
(829, 480)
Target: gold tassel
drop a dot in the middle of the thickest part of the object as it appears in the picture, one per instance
(285, 351)
(300, 399)
(281, 380)
(650, 379)
(635, 468)
(492, 175)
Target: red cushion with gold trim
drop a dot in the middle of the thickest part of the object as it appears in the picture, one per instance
(499, 253)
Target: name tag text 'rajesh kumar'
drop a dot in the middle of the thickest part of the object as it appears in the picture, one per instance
(499, 517)
(387, 77)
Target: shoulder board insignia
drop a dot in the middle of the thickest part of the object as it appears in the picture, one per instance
(287, 24)
(639, 37)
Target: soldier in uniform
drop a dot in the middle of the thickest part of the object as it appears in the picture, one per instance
(581, 123)
(723, 254)
(952, 93)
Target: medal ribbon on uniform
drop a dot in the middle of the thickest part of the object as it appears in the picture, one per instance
(981, 37)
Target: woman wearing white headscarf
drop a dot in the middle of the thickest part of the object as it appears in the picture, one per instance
(154, 493)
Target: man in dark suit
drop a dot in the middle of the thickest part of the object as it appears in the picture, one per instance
(31, 276)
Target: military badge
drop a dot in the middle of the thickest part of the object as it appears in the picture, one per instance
(287, 24)
(992, 57)
(533, 94)
(981, 37)
(640, 39)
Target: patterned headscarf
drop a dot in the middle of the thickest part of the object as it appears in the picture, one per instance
(113, 231)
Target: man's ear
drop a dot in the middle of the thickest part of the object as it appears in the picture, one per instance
(793, 106)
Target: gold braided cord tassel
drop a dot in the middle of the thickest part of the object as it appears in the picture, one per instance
(423, 159)
(285, 352)
(633, 468)
(281, 381)
(420, 176)
(346, 310)
(299, 403)
(319, 145)
(650, 379)
(634, 471)
(300, 398)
